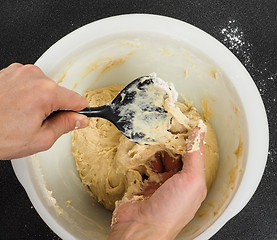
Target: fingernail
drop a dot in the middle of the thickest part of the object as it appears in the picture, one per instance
(78, 124)
(82, 122)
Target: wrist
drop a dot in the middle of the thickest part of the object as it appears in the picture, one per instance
(141, 231)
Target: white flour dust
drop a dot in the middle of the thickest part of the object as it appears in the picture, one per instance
(234, 39)
(232, 35)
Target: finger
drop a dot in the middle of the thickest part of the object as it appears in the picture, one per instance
(166, 166)
(163, 162)
(64, 122)
(59, 124)
(194, 158)
(156, 164)
(172, 163)
(167, 175)
(66, 99)
(150, 187)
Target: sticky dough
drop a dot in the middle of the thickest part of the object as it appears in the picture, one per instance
(113, 166)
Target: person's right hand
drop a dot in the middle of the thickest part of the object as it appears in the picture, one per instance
(27, 98)
(166, 209)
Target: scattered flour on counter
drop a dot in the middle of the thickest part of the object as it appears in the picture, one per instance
(233, 35)
(234, 39)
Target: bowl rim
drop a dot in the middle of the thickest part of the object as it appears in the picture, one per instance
(241, 79)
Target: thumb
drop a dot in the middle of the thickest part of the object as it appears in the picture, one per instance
(64, 122)
(194, 159)
(60, 123)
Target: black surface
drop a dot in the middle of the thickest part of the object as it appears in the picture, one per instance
(28, 28)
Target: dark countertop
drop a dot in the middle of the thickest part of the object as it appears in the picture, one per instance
(29, 28)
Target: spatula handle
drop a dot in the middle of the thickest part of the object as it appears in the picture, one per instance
(102, 111)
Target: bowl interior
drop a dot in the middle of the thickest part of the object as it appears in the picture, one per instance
(120, 58)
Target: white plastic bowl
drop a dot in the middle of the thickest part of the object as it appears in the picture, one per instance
(117, 50)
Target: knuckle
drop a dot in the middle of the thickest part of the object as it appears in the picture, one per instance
(45, 87)
(15, 65)
(68, 122)
(45, 84)
(29, 68)
(11, 67)
(198, 181)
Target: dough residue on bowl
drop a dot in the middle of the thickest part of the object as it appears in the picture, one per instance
(114, 167)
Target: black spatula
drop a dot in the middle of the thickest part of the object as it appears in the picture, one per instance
(134, 106)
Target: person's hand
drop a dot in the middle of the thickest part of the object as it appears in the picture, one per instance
(27, 98)
(170, 206)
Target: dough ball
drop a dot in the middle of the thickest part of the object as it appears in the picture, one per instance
(113, 166)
